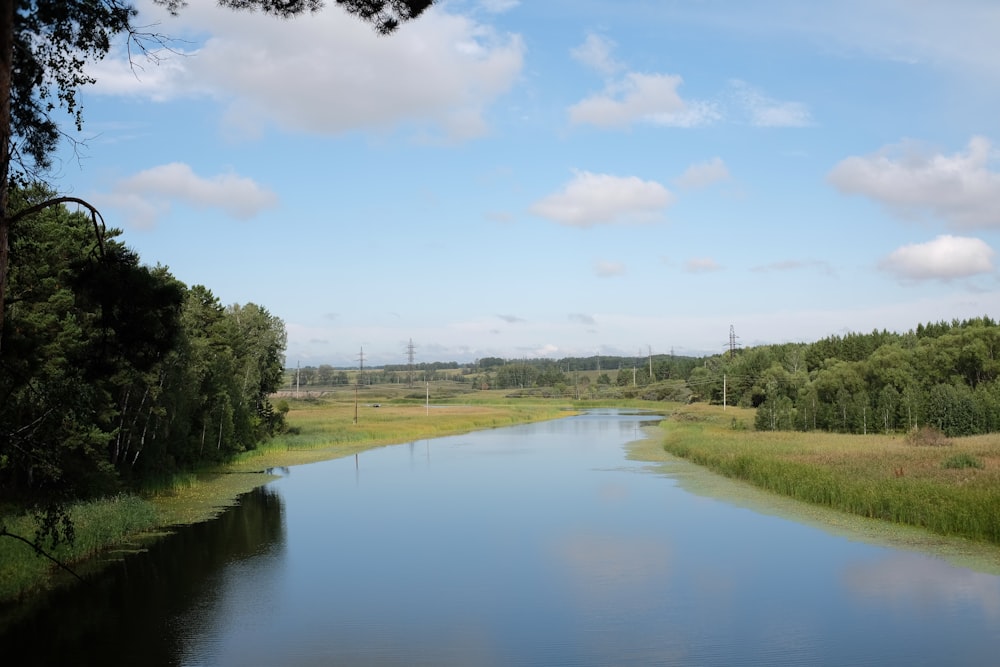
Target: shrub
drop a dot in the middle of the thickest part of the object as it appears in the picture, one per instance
(927, 436)
(962, 460)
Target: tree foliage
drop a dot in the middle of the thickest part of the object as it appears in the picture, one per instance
(44, 48)
(944, 374)
(114, 372)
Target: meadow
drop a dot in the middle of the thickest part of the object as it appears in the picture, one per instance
(947, 486)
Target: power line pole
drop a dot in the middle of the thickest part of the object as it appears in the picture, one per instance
(410, 349)
(732, 340)
(357, 385)
(651, 378)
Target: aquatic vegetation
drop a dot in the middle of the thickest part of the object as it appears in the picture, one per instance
(952, 492)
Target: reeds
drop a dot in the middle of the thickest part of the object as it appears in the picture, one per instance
(99, 526)
(950, 491)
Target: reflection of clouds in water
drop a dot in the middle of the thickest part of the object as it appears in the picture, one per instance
(613, 492)
(601, 564)
(912, 579)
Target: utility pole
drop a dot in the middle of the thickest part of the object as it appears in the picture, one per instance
(651, 378)
(357, 385)
(298, 367)
(732, 340)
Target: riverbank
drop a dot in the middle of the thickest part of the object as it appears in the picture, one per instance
(951, 489)
(319, 430)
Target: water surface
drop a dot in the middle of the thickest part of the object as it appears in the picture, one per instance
(532, 545)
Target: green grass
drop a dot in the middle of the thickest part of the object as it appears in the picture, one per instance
(876, 476)
(113, 523)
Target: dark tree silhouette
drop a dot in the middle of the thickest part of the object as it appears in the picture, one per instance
(44, 45)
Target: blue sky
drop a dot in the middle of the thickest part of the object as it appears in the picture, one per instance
(525, 179)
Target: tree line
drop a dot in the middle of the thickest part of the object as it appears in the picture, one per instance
(944, 374)
(500, 373)
(115, 374)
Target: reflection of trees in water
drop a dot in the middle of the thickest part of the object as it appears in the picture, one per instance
(128, 614)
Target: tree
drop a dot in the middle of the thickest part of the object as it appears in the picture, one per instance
(88, 332)
(44, 46)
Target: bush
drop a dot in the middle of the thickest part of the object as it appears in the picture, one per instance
(927, 436)
(959, 461)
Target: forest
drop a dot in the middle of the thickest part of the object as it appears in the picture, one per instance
(943, 375)
(115, 374)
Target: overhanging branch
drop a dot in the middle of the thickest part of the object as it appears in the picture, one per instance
(95, 215)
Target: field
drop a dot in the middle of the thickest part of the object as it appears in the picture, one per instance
(950, 487)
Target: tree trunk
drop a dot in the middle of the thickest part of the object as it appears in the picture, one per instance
(6, 72)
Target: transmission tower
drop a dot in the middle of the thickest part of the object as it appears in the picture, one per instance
(410, 350)
(732, 341)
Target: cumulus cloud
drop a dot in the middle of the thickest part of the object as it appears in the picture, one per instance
(638, 97)
(595, 52)
(701, 265)
(764, 111)
(960, 188)
(944, 258)
(328, 74)
(703, 174)
(149, 194)
(606, 269)
(594, 199)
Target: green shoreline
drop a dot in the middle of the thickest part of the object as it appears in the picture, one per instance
(203, 496)
(700, 480)
(206, 495)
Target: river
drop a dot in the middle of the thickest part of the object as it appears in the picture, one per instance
(539, 544)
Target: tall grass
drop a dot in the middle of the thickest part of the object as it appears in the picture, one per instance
(326, 428)
(111, 523)
(881, 477)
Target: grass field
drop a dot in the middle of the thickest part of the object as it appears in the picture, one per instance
(951, 489)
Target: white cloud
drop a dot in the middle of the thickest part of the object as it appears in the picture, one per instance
(703, 174)
(328, 73)
(944, 258)
(958, 35)
(701, 265)
(148, 195)
(607, 269)
(960, 189)
(764, 111)
(638, 97)
(583, 318)
(595, 199)
(595, 52)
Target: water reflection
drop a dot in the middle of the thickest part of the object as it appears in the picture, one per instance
(128, 615)
(533, 545)
(904, 580)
